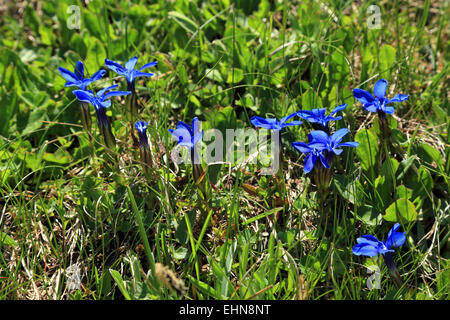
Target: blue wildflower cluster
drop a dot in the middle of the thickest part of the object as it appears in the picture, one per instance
(100, 99)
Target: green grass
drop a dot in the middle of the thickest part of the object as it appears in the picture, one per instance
(223, 61)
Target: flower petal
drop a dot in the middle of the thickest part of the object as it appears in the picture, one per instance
(292, 123)
(338, 108)
(348, 144)
(84, 95)
(130, 64)
(309, 162)
(318, 136)
(399, 98)
(98, 75)
(379, 89)
(363, 96)
(284, 119)
(148, 65)
(68, 75)
(115, 93)
(371, 107)
(302, 147)
(142, 74)
(324, 161)
(388, 110)
(368, 239)
(79, 70)
(336, 137)
(114, 66)
(182, 136)
(269, 123)
(365, 249)
(395, 239)
(101, 92)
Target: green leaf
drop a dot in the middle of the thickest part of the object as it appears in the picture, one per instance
(387, 58)
(5, 239)
(235, 75)
(402, 211)
(96, 55)
(186, 23)
(369, 215)
(120, 283)
(367, 151)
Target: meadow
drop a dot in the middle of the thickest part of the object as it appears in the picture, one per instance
(96, 97)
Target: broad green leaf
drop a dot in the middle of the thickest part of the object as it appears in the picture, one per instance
(367, 151)
(96, 55)
(387, 59)
(402, 211)
(369, 215)
(235, 75)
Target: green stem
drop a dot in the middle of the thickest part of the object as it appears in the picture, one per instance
(148, 252)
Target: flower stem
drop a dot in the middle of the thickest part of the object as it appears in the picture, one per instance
(395, 275)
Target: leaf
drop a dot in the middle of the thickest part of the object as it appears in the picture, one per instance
(8, 103)
(367, 151)
(5, 239)
(96, 55)
(369, 215)
(402, 211)
(235, 75)
(120, 283)
(34, 120)
(186, 23)
(387, 58)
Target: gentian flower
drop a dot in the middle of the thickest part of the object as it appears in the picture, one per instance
(273, 123)
(333, 142)
(76, 78)
(313, 150)
(370, 246)
(318, 115)
(189, 136)
(100, 102)
(378, 102)
(186, 135)
(129, 72)
(144, 147)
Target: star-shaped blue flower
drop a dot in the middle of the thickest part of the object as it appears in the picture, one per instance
(318, 115)
(370, 246)
(333, 142)
(273, 123)
(378, 102)
(187, 135)
(76, 78)
(99, 100)
(314, 151)
(129, 72)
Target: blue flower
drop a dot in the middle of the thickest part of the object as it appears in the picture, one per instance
(333, 142)
(186, 135)
(318, 115)
(76, 78)
(141, 127)
(378, 103)
(273, 123)
(144, 147)
(370, 246)
(99, 100)
(313, 150)
(129, 72)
